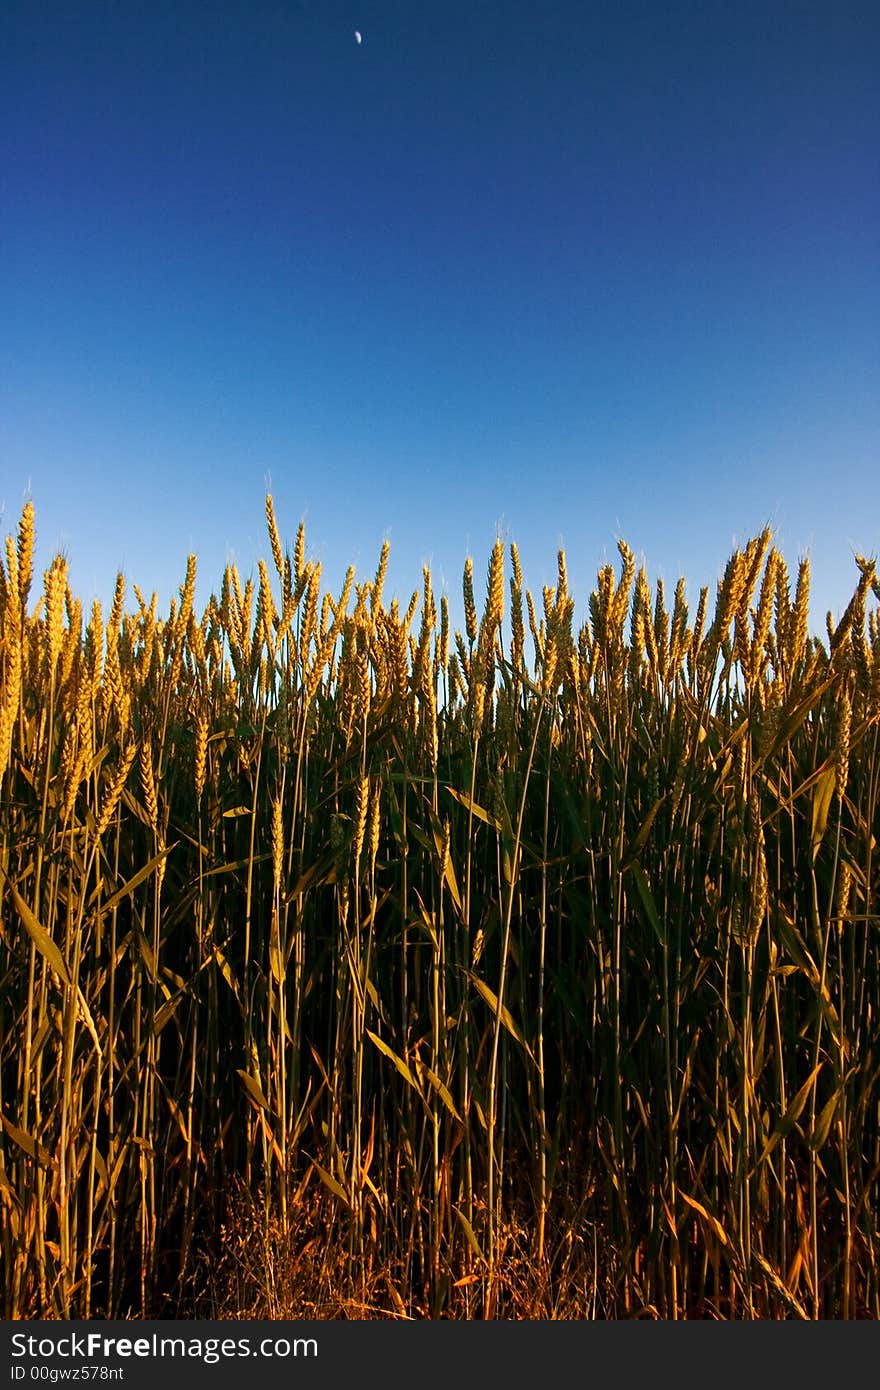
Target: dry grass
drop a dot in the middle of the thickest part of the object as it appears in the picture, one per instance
(350, 966)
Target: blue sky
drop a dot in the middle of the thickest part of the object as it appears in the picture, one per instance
(562, 272)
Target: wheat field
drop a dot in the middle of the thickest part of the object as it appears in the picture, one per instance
(351, 966)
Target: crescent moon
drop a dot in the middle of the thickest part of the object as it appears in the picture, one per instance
(357, 36)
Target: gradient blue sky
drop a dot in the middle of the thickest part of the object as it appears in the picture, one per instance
(562, 272)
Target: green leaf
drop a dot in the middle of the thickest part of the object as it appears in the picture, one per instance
(393, 1057)
(227, 973)
(277, 963)
(822, 794)
(452, 882)
(137, 879)
(637, 844)
(470, 1235)
(791, 1116)
(508, 865)
(479, 811)
(796, 947)
(38, 934)
(824, 1122)
(712, 1221)
(331, 1184)
(441, 1090)
(647, 897)
(562, 793)
(792, 722)
(27, 1143)
(449, 872)
(167, 1011)
(254, 1089)
(236, 864)
(506, 1017)
(322, 871)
